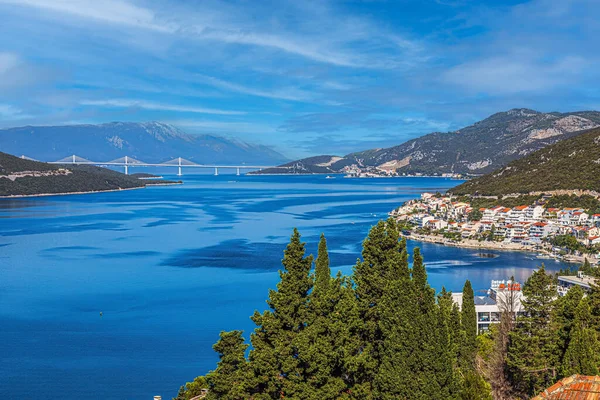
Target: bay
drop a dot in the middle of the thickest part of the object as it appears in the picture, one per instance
(170, 267)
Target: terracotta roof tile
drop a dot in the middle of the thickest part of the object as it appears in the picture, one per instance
(574, 387)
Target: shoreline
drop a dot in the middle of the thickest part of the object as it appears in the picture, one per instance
(475, 244)
(20, 196)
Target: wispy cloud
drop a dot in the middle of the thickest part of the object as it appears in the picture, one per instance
(508, 75)
(110, 11)
(148, 105)
(293, 94)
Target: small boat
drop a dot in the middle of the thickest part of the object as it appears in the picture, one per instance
(330, 177)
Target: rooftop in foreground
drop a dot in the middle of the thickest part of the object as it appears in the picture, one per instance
(579, 387)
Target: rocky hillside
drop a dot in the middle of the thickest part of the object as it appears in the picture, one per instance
(474, 150)
(572, 164)
(20, 177)
(150, 142)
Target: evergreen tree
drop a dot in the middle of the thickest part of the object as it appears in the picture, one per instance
(322, 271)
(475, 388)
(181, 394)
(563, 317)
(274, 356)
(583, 354)
(384, 262)
(229, 381)
(468, 348)
(531, 360)
(416, 360)
(325, 344)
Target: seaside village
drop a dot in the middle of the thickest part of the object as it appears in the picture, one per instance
(526, 225)
(523, 227)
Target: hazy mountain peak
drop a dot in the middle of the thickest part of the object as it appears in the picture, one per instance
(148, 141)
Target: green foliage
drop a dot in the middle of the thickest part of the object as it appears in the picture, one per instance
(475, 215)
(468, 346)
(532, 360)
(475, 388)
(192, 389)
(229, 380)
(589, 203)
(563, 165)
(275, 361)
(383, 334)
(567, 241)
(61, 179)
(583, 353)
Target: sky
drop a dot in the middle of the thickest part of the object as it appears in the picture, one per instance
(306, 77)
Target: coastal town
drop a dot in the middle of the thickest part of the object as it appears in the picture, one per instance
(560, 232)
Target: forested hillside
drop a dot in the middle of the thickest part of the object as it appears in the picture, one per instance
(567, 165)
(20, 177)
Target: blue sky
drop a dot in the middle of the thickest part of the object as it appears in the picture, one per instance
(307, 77)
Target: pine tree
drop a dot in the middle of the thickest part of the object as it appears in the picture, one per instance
(468, 347)
(230, 380)
(531, 358)
(583, 354)
(274, 357)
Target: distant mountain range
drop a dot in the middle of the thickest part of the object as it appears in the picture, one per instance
(474, 150)
(20, 177)
(150, 142)
(572, 164)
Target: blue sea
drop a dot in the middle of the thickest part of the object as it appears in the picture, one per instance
(171, 267)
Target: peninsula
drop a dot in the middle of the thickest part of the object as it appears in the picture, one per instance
(20, 177)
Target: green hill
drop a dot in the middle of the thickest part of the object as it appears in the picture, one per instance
(20, 177)
(567, 165)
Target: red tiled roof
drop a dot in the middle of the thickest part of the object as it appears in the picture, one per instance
(540, 224)
(574, 387)
(520, 208)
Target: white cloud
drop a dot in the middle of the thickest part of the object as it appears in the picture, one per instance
(225, 127)
(148, 105)
(513, 74)
(8, 61)
(13, 113)
(111, 11)
(231, 25)
(293, 94)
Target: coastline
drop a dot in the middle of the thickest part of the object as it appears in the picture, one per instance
(484, 245)
(19, 196)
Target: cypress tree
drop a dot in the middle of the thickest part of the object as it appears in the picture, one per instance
(229, 381)
(384, 262)
(563, 317)
(324, 345)
(322, 271)
(274, 356)
(583, 354)
(531, 359)
(468, 348)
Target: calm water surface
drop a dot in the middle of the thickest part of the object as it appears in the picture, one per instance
(170, 267)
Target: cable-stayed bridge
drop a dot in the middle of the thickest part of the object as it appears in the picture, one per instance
(127, 162)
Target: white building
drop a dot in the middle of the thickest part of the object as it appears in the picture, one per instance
(502, 295)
